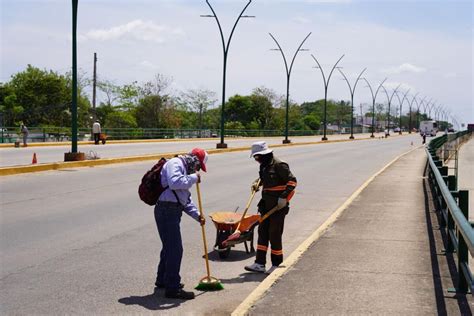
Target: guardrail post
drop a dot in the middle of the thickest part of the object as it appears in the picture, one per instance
(463, 252)
(450, 221)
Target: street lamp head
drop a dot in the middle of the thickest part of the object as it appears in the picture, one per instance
(207, 16)
(248, 16)
(303, 50)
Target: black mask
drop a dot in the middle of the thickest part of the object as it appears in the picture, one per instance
(191, 163)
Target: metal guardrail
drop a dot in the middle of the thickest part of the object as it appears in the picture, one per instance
(453, 207)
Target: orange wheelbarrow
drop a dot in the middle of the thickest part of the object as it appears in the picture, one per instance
(103, 138)
(226, 224)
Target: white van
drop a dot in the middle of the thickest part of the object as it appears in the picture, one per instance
(429, 128)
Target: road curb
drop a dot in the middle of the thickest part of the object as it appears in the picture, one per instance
(7, 171)
(293, 258)
(53, 144)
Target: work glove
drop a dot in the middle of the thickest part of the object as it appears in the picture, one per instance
(282, 203)
(255, 185)
(199, 177)
(202, 220)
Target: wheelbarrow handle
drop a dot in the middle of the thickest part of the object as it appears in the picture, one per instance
(268, 214)
(248, 205)
(264, 217)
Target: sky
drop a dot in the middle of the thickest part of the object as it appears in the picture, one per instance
(426, 46)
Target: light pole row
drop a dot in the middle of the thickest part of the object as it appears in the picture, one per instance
(439, 111)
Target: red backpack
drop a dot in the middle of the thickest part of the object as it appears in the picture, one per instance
(150, 188)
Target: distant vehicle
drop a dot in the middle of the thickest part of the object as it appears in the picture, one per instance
(397, 129)
(429, 128)
(450, 130)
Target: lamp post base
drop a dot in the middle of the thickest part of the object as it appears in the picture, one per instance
(352, 137)
(74, 156)
(372, 136)
(221, 145)
(324, 138)
(286, 141)
(400, 133)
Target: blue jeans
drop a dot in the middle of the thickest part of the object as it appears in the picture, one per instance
(168, 218)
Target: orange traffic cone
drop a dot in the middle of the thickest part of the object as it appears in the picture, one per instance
(34, 159)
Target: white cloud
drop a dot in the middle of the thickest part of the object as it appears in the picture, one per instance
(148, 64)
(135, 30)
(404, 68)
(301, 20)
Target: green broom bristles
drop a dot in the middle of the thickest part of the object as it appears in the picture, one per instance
(209, 284)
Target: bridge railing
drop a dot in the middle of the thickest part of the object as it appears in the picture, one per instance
(453, 208)
(55, 134)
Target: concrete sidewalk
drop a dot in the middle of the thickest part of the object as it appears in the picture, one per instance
(382, 256)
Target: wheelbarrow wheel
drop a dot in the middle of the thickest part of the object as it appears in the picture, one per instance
(223, 252)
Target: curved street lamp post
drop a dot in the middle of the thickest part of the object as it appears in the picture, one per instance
(326, 84)
(410, 112)
(401, 103)
(352, 91)
(225, 48)
(418, 106)
(430, 108)
(288, 74)
(389, 100)
(374, 97)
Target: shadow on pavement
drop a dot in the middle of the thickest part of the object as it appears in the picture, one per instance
(245, 277)
(155, 301)
(234, 255)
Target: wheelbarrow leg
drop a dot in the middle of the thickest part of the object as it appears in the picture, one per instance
(252, 249)
(246, 247)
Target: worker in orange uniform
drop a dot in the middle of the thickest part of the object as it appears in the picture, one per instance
(278, 188)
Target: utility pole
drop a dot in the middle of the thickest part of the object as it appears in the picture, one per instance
(94, 84)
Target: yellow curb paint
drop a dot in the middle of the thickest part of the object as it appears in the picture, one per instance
(6, 171)
(270, 280)
(131, 141)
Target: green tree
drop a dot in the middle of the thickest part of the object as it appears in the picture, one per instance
(249, 109)
(40, 98)
(149, 112)
(120, 119)
(198, 100)
(128, 96)
(9, 106)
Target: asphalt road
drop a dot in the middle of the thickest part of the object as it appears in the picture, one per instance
(11, 156)
(79, 241)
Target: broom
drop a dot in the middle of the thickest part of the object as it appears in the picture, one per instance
(237, 232)
(207, 283)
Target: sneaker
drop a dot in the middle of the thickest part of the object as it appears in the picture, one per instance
(256, 267)
(180, 294)
(273, 268)
(162, 286)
